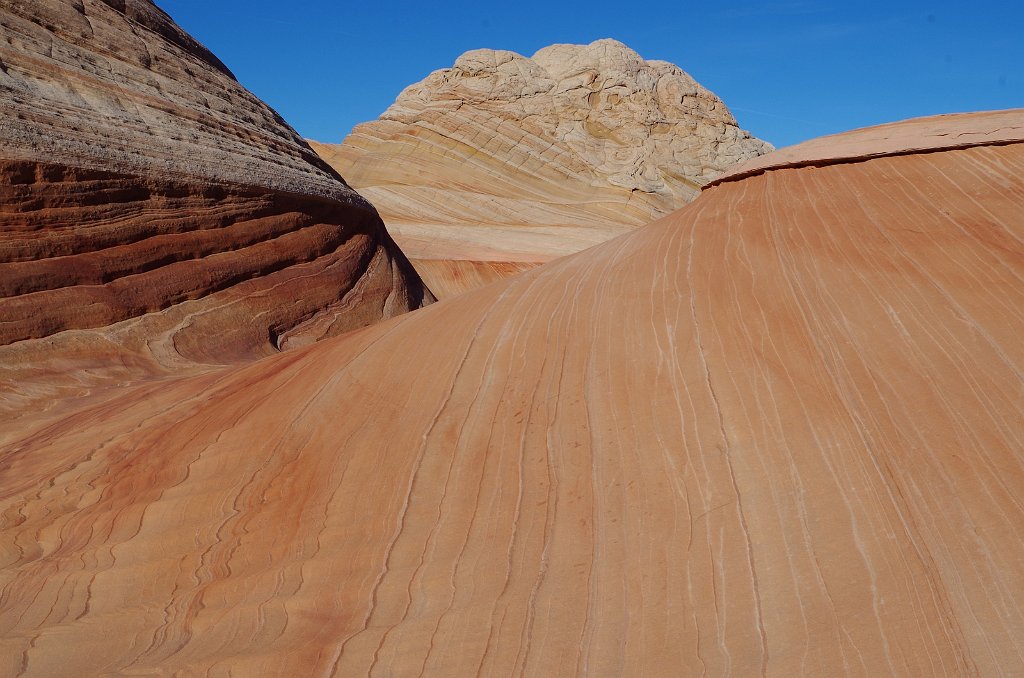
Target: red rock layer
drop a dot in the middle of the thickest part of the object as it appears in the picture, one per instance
(83, 249)
(776, 433)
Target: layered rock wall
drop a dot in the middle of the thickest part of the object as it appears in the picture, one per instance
(155, 214)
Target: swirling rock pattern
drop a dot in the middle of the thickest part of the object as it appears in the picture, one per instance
(778, 432)
(504, 158)
(153, 209)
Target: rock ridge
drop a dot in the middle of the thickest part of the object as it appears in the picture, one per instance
(917, 135)
(510, 159)
(76, 71)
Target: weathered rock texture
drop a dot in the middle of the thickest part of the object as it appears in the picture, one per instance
(152, 208)
(504, 158)
(779, 432)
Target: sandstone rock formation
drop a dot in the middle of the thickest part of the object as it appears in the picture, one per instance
(778, 432)
(503, 161)
(155, 214)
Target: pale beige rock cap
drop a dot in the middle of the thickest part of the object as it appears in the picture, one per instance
(503, 161)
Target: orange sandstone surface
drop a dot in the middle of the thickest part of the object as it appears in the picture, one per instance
(778, 432)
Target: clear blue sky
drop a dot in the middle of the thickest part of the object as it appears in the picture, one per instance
(789, 70)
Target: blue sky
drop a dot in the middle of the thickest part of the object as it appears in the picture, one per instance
(789, 70)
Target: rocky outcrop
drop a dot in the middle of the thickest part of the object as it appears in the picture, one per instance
(153, 209)
(777, 432)
(504, 158)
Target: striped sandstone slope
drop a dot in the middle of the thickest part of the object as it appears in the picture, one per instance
(779, 432)
(154, 212)
(502, 161)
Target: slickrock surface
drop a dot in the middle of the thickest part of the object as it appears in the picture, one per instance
(506, 158)
(155, 212)
(779, 432)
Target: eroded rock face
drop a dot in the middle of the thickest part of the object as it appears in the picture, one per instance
(153, 209)
(505, 158)
(776, 433)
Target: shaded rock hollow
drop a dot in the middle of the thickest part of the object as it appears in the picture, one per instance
(503, 161)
